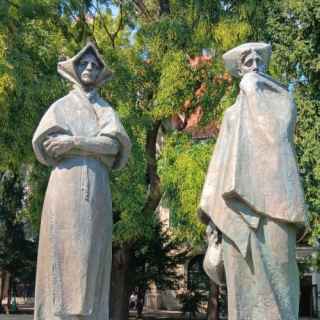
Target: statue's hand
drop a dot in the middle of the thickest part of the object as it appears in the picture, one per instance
(203, 216)
(57, 146)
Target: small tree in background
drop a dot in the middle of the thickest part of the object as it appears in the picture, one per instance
(17, 255)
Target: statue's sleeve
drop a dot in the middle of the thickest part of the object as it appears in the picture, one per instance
(214, 180)
(265, 176)
(48, 126)
(114, 129)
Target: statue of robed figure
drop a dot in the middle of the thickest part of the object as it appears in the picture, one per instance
(82, 138)
(253, 194)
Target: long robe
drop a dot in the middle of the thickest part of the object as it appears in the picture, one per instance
(253, 178)
(75, 249)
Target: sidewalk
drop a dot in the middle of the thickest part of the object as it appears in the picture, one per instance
(29, 317)
(147, 315)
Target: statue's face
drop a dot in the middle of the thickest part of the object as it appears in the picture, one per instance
(253, 62)
(89, 69)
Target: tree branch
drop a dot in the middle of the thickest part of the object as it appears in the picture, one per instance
(120, 24)
(153, 179)
(139, 4)
(11, 3)
(111, 36)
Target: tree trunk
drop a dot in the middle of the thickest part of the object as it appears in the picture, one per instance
(153, 180)
(2, 275)
(4, 289)
(9, 292)
(164, 7)
(213, 302)
(119, 297)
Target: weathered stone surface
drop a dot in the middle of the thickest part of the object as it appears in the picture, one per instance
(253, 193)
(82, 138)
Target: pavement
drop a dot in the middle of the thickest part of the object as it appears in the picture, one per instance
(147, 315)
(30, 317)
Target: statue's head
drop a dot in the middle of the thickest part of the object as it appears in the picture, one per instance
(251, 61)
(249, 57)
(86, 69)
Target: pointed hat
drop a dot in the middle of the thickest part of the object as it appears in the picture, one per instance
(68, 69)
(232, 58)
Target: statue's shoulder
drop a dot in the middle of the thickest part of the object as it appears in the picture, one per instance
(105, 106)
(232, 114)
(276, 82)
(61, 103)
(233, 110)
(103, 103)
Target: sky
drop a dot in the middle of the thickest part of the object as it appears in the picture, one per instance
(114, 10)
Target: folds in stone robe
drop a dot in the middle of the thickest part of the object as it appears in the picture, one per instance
(253, 171)
(74, 259)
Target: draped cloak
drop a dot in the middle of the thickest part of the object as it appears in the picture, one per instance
(253, 194)
(74, 258)
(253, 172)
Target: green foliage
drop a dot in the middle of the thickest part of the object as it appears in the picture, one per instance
(155, 260)
(175, 86)
(292, 27)
(17, 255)
(183, 165)
(166, 46)
(153, 79)
(230, 32)
(28, 64)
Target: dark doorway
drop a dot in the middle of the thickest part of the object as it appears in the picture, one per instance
(197, 278)
(308, 297)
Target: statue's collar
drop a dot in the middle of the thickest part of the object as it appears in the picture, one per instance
(92, 95)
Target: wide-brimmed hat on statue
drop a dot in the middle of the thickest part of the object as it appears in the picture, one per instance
(68, 68)
(233, 57)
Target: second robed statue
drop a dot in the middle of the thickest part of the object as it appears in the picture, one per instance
(253, 195)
